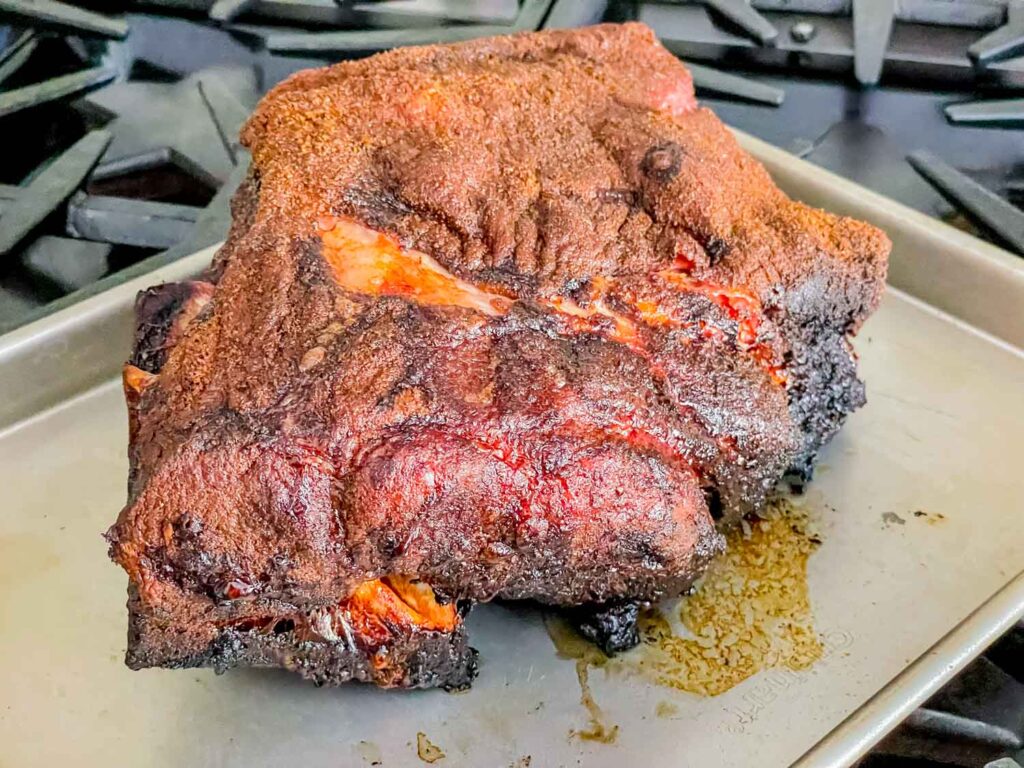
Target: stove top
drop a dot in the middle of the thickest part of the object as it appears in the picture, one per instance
(123, 117)
(126, 113)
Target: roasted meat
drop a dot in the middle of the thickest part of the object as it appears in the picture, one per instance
(515, 319)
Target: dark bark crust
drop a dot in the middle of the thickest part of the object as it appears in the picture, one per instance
(295, 439)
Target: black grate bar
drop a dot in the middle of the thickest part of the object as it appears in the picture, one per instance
(124, 221)
(978, 202)
(708, 79)
(75, 84)
(51, 187)
(64, 17)
(17, 53)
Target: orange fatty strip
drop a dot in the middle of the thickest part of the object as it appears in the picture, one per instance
(366, 261)
(370, 262)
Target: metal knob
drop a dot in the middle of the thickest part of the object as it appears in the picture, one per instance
(802, 31)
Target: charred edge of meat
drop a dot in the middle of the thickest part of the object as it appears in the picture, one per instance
(824, 390)
(612, 627)
(417, 659)
(161, 315)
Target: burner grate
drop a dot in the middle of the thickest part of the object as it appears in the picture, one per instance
(127, 158)
(976, 720)
(871, 43)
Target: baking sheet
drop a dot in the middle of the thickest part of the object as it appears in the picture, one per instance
(900, 607)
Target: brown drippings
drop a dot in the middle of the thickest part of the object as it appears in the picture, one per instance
(426, 751)
(597, 730)
(749, 612)
(932, 518)
(570, 645)
(666, 709)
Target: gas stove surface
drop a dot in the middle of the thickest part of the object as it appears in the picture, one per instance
(127, 113)
(123, 120)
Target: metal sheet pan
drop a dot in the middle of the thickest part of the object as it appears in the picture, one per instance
(901, 607)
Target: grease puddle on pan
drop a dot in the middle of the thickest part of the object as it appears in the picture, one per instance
(750, 612)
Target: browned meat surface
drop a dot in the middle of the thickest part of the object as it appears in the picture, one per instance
(513, 318)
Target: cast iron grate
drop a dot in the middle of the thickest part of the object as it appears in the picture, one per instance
(126, 116)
